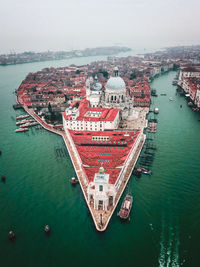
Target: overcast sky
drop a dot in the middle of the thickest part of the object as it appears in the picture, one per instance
(40, 25)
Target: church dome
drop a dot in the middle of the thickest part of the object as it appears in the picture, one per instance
(115, 83)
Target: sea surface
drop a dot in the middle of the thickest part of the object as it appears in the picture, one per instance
(164, 229)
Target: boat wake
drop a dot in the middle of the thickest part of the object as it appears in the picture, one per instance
(169, 243)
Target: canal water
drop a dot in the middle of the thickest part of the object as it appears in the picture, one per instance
(164, 227)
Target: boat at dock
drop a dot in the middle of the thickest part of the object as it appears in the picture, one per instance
(29, 124)
(23, 122)
(22, 117)
(21, 130)
(126, 207)
(74, 180)
(152, 127)
(153, 92)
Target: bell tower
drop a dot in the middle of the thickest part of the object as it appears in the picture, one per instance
(116, 72)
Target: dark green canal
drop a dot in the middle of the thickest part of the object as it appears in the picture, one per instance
(164, 228)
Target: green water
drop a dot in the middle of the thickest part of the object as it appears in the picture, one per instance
(165, 219)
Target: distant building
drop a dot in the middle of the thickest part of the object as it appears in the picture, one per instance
(188, 72)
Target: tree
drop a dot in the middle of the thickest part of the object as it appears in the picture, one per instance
(49, 108)
(132, 76)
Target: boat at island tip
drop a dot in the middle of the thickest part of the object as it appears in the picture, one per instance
(126, 207)
(21, 130)
(22, 117)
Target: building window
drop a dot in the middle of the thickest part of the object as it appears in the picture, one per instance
(101, 188)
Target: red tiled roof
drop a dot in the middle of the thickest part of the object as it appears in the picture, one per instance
(111, 154)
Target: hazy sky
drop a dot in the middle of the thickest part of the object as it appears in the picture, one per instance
(41, 25)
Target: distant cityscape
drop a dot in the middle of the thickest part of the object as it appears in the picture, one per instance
(62, 86)
(30, 56)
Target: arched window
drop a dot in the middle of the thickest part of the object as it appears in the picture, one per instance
(111, 97)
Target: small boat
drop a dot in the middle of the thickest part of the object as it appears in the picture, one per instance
(21, 130)
(180, 106)
(147, 172)
(156, 110)
(29, 124)
(171, 99)
(22, 117)
(74, 180)
(3, 178)
(126, 207)
(163, 94)
(190, 104)
(23, 122)
(137, 172)
(47, 229)
(11, 235)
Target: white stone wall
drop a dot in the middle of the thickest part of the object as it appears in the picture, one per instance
(108, 191)
(129, 158)
(82, 125)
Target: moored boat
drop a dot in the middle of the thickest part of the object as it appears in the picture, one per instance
(23, 122)
(74, 180)
(126, 207)
(22, 117)
(156, 110)
(29, 124)
(147, 172)
(21, 130)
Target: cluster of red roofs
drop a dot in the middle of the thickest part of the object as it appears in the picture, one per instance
(110, 151)
(51, 85)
